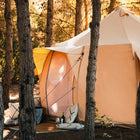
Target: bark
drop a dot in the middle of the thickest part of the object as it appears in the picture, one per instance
(91, 72)
(86, 15)
(27, 118)
(78, 17)
(111, 6)
(138, 111)
(8, 55)
(1, 114)
(49, 28)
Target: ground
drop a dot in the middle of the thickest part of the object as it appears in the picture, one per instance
(118, 132)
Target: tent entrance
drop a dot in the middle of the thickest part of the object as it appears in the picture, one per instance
(59, 84)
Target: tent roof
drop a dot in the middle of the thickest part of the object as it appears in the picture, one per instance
(73, 45)
(119, 27)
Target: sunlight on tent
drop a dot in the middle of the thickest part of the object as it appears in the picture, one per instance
(58, 68)
(61, 69)
(54, 107)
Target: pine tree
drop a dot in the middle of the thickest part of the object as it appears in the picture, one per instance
(49, 28)
(78, 17)
(8, 55)
(91, 72)
(27, 118)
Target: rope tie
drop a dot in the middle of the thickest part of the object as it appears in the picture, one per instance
(62, 96)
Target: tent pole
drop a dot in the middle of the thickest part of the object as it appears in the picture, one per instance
(82, 54)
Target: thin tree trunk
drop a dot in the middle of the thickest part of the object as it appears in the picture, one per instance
(27, 118)
(111, 6)
(8, 55)
(86, 15)
(49, 28)
(78, 17)
(91, 72)
(1, 114)
(138, 111)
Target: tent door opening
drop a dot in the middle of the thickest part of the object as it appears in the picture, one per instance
(59, 85)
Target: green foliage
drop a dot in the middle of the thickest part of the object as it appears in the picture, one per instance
(63, 22)
(64, 19)
(103, 120)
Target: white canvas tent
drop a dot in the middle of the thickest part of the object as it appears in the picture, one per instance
(62, 69)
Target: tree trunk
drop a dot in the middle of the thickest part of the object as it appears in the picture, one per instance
(86, 15)
(138, 111)
(8, 55)
(1, 114)
(111, 6)
(78, 17)
(91, 72)
(49, 28)
(27, 118)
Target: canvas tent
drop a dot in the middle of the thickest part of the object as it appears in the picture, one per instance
(62, 69)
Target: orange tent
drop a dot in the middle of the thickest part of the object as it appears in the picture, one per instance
(62, 69)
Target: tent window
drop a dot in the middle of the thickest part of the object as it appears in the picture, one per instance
(59, 87)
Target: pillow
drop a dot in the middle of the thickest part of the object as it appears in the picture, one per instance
(13, 110)
(71, 114)
(70, 126)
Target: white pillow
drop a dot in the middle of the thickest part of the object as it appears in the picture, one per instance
(70, 126)
(13, 110)
(71, 114)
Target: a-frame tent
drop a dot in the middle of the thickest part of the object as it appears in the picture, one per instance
(62, 69)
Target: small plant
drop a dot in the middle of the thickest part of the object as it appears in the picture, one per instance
(103, 120)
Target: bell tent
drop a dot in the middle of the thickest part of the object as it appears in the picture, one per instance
(62, 69)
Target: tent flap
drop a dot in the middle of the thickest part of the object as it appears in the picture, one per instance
(40, 56)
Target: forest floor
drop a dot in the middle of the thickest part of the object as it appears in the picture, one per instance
(117, 132)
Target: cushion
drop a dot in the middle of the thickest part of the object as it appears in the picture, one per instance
(13, 110)
(70, 126)
(71, 113)
(10, 122)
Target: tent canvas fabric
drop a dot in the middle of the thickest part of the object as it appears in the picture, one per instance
(118, 69)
